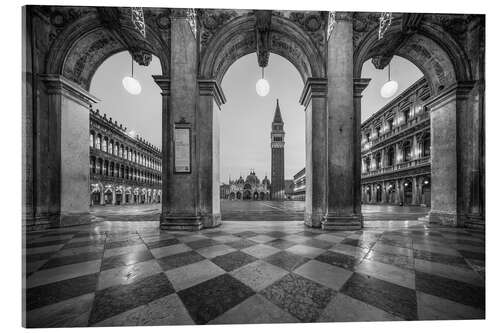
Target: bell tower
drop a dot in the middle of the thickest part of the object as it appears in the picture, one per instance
(277, 156)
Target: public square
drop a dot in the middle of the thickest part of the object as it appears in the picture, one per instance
(132, 273)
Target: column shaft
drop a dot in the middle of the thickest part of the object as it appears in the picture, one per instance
(343, 133)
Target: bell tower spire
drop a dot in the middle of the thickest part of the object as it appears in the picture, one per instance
(277, 155)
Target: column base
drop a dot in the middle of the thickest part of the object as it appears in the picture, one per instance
(70, 219)
(443, 218)
(335, 222)
(211, 221)
(180, 222)
(474, 221)
(313, 220)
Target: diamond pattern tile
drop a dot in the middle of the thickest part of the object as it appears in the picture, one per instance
(132, 273)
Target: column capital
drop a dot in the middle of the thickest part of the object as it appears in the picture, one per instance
(316, 87)
(179, 13)
(457, 91)
(58, 84)
(210, 87)
(343, 16)
(359, 86)
(163, 82)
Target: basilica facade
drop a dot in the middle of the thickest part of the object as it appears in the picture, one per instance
(250, 188)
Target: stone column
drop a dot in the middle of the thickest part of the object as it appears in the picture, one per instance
(384, 192)
(163, 82)
(101, 196)
(343, 131)
(211, 99)
(398, 192)
(414, 191)
(180, 206)
(359, 86)
(450, 155)
(113, 197)
(374, 193)
(62, 174)
(313, 99)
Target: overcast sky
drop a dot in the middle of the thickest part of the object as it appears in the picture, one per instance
(246, 117)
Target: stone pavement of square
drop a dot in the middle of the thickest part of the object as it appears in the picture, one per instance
(133, 273)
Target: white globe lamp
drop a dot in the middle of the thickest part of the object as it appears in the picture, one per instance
(390, 87)
(262, 86)
(131, 85)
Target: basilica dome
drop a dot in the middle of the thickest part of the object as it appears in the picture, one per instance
(252, 178)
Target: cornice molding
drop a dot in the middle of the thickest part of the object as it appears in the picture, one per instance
(459, 91)
(58, 84)
(163, 82)
(316, 87)
(210, 87)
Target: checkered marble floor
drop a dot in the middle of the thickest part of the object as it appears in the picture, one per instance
(132, 273)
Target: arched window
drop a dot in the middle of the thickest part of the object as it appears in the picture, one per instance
(407, 151)
(98, 142)
(121, 151)
(92, 164)
(390, 156)
(426, 145)
(406, 115)
(99, 166)
(91, 139)
(105, 145)
(378, 160)
(390, 124)
(115, 152)
(105, 171)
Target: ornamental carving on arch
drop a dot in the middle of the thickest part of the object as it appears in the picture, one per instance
(362, 25)
(431, 59)
(314, 24)
(211, 21)
(87, 54)
(242, 46)
(286, 48)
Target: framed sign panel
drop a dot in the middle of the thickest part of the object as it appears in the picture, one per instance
(182, 148)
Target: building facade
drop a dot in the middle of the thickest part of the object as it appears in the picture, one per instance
(250, 188)
(396, 151)
(124, 169)
(277, 156)
(299, 185)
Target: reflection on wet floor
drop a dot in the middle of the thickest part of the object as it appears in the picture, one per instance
(133, 273)
(247, 210)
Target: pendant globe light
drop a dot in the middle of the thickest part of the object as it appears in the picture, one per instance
(390, 87)
(262, 86)
(131, 85)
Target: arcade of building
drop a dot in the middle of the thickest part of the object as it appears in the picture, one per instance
(396, 150)
(124, 169)
(64, 46)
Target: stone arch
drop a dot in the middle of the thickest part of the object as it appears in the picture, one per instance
(438, 56)
(237, 39)
(86, 43)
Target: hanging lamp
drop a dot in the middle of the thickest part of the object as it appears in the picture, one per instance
(131, 85)
(262, 86)
(390, 87)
